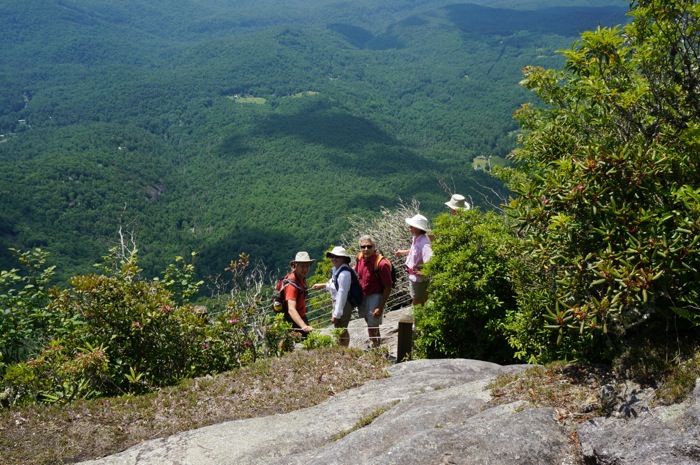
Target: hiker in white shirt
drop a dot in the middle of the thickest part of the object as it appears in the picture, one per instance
(342, 310)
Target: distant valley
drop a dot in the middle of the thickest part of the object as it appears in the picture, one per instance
(254, 126)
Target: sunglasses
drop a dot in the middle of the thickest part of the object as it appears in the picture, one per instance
(366, 246)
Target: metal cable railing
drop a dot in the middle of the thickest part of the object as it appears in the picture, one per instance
(319, 307)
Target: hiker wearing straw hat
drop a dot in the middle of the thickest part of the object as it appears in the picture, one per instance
(419, 254)
(457, 202)
(295, 294)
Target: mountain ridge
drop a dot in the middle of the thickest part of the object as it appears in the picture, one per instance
(398, 95)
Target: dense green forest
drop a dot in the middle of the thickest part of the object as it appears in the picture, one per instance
(254, 126)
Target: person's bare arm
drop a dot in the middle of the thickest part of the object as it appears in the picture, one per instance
(294, 315)
(385, 296)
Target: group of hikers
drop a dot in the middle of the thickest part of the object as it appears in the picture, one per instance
(371, 270)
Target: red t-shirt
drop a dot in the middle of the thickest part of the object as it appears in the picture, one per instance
(371, 284)
(292, 293)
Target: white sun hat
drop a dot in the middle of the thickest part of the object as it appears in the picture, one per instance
(457, 202)
(337, 252)
(419, 221)
(302, 257)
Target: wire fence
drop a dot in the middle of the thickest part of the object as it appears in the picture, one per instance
(319, 307)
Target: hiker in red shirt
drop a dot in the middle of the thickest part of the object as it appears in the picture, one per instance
(295, 294)
(376, 287)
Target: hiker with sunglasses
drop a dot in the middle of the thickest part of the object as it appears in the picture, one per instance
(376, 287)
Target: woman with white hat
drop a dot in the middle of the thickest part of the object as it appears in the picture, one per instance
(419, 254)
(339, 287)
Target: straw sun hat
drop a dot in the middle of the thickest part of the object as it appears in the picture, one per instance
(302, 257)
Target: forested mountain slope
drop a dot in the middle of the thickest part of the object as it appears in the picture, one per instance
(253, 126)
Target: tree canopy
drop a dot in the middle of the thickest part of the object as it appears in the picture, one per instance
(257, 127)
(606, 176)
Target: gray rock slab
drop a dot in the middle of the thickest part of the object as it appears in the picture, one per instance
(667, 435)
(427, 402)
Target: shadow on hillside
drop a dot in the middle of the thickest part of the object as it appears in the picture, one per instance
(321, 122)
(355, 145)
(273, 248)
(362, 38)
(565, 21)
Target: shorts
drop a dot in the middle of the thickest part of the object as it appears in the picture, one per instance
(369, 303)
(419, 290)
(345, 319)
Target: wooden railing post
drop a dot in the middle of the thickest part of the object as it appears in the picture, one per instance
(404, 344)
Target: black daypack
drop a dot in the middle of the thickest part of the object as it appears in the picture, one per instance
(355, 293)
(279, 304)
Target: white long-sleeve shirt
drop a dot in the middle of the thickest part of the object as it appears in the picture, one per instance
(340, 295)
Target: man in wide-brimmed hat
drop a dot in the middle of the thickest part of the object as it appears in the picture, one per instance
(295, 293)
(457, 202)
(418, 255)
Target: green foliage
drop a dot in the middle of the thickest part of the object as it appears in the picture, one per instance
(523, 327)
(607, 180)
(323, 269)
(471, 288)
(24, 295)
(316, 339)
(56, 375)
(117, 332)
(179, 280)
(279, 337)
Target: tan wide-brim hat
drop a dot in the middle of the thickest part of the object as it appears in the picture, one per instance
(420, 222)
(457, 202)
(301, 257)
(337, 252)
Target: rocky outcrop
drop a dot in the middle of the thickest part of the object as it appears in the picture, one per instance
(427, 411)
(432, 412)
(662, 435)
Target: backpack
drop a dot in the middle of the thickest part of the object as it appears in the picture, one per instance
(376, 267)
(355, 293)
(279, 304)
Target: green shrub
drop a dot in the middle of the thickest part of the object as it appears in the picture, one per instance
(470, 290)
(57, 374)
(116, 332)
(24, 295)
(316, 339)
(608, 197)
